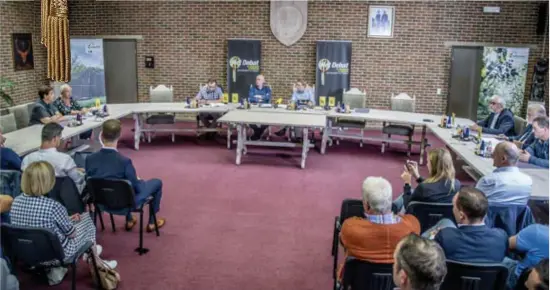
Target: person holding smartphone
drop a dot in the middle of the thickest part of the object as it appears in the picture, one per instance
(440, 186)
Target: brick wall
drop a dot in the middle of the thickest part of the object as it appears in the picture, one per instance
(188, 40)
(21, 17)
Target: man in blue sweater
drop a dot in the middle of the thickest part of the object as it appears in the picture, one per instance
(9, 160)
(537, 153)
(527, 137)
(500, 121)
(259, 94)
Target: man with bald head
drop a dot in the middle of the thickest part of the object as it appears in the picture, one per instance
(500, 121)
(527, 137)
(506, 184)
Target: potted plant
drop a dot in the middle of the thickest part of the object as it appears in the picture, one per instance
(6, 87)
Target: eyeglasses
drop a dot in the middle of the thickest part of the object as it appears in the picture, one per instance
(493, 103)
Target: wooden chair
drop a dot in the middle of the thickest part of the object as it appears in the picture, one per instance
(404, 103)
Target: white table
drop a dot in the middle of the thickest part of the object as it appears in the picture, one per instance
(242, 118)
(483, 166)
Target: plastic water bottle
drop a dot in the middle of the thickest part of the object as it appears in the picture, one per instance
(105, 110)
(449, 124)
(188, 100)
(482, 148)
(79, 118)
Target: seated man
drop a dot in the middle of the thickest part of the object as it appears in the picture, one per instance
(9, 160)
(500, 121)
(62, 163)
(374, 237)
(259, 94)
(527, 137)
(301, 97)
(44, 111)
(537, 152)
(212, 93)
(538, 277)
(109, 163)
(419, 264)
(506, 184)
(531, 241)
(472, 241)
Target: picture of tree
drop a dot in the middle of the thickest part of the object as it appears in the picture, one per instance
(503, 73)
(87, 71)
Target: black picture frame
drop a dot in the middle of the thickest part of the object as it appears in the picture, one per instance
(23, 57)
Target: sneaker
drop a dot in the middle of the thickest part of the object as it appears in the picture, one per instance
(112, 263)
(98, 249)
(56, 275)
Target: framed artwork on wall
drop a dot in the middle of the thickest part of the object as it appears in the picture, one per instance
(23, 58)
(381, 21)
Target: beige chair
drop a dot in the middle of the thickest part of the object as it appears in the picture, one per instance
(22, 114)
(519, 125)
(8, 124)
(356, 99)
(160, 94)
(404, 103)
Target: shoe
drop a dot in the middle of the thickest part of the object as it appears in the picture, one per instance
(56, 275)
(160, 224)
(98, 250)
(281, 132)
(111, 263)
(130, 224)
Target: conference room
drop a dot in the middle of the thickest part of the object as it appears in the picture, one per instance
(232, 144)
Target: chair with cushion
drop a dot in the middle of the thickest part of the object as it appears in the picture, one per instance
(356, 99)
(403, 103)
(429, 213)
(7, 123)
(10, 182)
(519, 125)
(461, 276)
(37, 247)
(22, 114)
(66, 193)
(349, 208)
(160, 94)
(116, 196)
(510, 218)
(364, 275)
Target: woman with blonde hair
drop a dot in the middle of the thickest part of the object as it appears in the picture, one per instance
(33, 209)
(440, 186)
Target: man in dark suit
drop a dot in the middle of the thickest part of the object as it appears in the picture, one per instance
(472, 241)
(109, 163)
(500, 121)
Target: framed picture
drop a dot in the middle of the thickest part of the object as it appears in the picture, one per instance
(381, 21)
(23, 58)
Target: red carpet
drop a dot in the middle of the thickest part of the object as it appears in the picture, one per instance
(265, 224)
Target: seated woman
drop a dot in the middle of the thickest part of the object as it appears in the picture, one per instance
(67, 106)
(440, 186)
(33, 209)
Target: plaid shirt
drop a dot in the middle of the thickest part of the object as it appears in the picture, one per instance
(64, 109)
(42, 212)
(384, 219)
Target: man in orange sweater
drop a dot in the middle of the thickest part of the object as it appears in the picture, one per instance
(375, 237)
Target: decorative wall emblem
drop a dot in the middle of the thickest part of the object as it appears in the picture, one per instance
(288, 20)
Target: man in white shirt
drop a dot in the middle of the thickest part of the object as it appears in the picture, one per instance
(506, 184)
(63, 164)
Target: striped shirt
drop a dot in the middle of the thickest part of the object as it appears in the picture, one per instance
(385, 219)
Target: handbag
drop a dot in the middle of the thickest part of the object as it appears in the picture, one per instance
(108, 277)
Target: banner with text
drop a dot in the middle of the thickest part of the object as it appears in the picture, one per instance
(243, 65)
(87, 72)
(332, 71)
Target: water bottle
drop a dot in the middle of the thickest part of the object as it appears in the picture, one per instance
(188, 100)
(466, 132)
(482, 148)
(105, 110)
(79, 118)
(449, 124)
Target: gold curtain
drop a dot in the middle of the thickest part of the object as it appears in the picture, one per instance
(55, 36)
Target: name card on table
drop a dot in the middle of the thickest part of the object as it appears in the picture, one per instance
(225, 98)
(332, 101)
(234, 98)
(322, 101)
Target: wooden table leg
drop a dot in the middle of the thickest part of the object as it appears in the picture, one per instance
(305, 146)
(137, 131)
(240, 142)
(422, 145)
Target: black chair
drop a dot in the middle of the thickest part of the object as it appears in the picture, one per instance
(35, 246)
(363, 275)
(429, 213)
(116, 195)
(66, 193)
(465, 276)
(349, 208)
